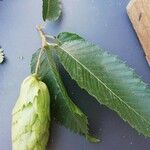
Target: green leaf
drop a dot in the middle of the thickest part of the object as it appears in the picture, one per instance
(63, 109)
(51, 10)
(67, 36)
(45, 9)
(108, 79)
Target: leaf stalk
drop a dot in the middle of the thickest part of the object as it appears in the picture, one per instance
(44, 44)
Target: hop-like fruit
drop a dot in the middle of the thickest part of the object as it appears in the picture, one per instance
(31, 116)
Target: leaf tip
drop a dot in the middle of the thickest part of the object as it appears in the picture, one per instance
(92, 139)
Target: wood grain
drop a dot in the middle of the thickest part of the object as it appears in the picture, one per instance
(139, 14)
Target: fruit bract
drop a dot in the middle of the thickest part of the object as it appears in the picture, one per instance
(31, 116)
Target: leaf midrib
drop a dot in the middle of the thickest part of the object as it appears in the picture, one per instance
(104, 84)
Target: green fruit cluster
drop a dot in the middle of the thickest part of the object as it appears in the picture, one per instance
(31, 116)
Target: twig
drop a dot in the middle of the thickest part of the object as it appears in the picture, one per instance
(44, 43)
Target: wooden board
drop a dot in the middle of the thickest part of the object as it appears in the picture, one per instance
(139, 14)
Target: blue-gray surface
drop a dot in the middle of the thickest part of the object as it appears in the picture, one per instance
(103, 22)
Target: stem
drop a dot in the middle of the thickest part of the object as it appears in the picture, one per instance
(44, 43)
(38, 61)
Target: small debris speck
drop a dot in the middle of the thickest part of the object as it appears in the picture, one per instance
(140, 16)
(20, 57)
(1, 55)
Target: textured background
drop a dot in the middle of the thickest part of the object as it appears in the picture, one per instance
(103, 22)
